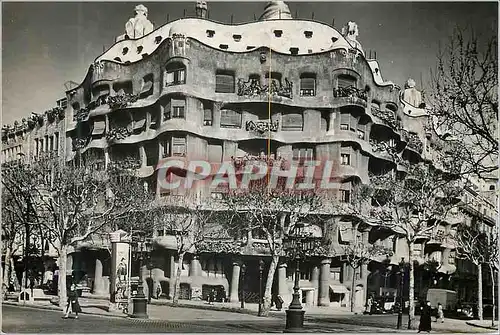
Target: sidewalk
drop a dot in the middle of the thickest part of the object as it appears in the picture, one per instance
(316, 317)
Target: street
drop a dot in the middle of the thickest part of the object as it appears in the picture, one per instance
(17, 319)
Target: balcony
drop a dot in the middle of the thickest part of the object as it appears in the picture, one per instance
(387, 117)
(262, 127)
(350, 92)
(383, 148)
(118, 133)
(437, 238)
(253, 87)
(129, 163)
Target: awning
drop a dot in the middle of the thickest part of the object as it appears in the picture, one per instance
(338, 288)
(99, 128)
(139, 124)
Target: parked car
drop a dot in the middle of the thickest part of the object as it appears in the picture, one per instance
(464, 311)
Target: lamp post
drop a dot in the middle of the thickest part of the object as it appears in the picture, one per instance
(139, 300)
(401, 283)
(297, 245)
(243, 270)
(261, 269)
(150, 266)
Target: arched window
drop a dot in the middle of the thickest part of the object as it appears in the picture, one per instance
(345, 80)
(175, 74)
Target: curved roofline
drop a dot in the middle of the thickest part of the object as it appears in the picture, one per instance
(214, 21)
(233, 52)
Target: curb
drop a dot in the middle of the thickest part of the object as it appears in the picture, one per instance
(55, 308)
(479, 326)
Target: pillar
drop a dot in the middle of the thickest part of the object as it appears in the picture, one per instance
(315, 283)
(235, 280)
(282, 285)
(172, 276)
(142, 156)
(195, 273)
(98, 281)
(324, 283)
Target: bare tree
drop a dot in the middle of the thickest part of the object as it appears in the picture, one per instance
(78, 201)
(465, 99)
(480, 249)
(191, 224)
(358, 253)
(19, 212)
(262, 206)
(413, 207)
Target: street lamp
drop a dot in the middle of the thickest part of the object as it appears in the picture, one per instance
(297, 244)
(139, 300)
(401, 285)
(243, 270)
(261, 269)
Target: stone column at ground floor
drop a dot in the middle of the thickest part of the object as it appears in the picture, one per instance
(195, 271)
(99, 287)
(324, 283)
(235, 280)
(171, 282)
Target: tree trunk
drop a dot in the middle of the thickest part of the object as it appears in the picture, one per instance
(177, 284)
(492, 271)
(353, 288)
(266, 306)
(480, 291)
(411, 288)
(62, 260)
(6, 269)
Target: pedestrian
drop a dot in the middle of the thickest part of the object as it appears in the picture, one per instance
(425, 318)
(158, 291)
(440, 316)
(73, 305)
(369, 303)
(211, 297)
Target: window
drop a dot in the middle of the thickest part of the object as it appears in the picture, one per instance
(308, 85)
(294, 50)
(273, 79)
(210, 33)
(207, 117)
(224, 82)
(166, 148)
(335, 273)
(178, 146)
(237, 37)
(303, 154)
(345, 196)
(160, 232)
(345, 159)
(308, 34)
(451, 257)
(278, 33)
(230, 119)
(345, 121)
(492, 187)
(175, 74)
(178, 112)
(292, 122)
(361, 134)
(345, 81)
(375, 106)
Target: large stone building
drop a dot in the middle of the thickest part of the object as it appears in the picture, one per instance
(198, 89)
